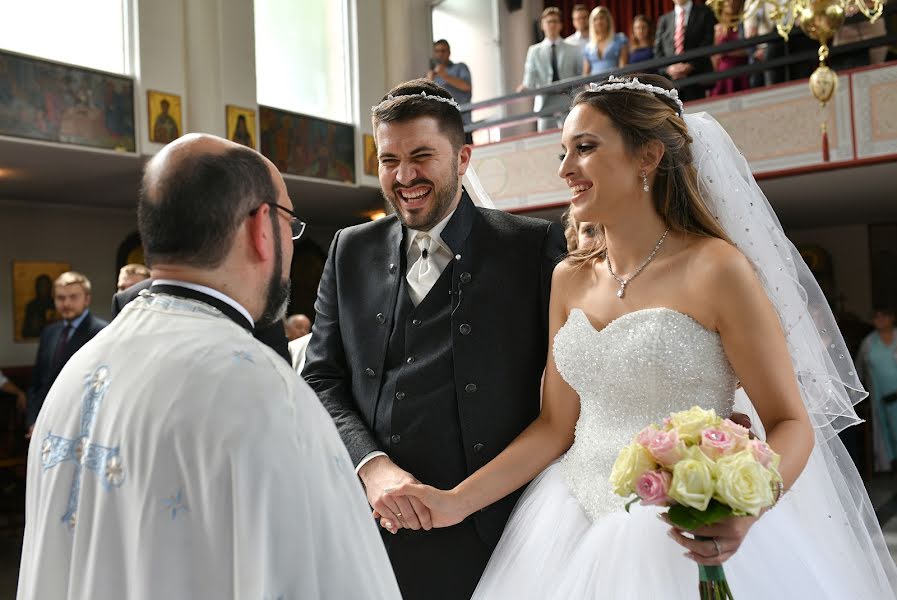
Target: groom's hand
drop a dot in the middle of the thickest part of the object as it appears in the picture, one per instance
(399, 511)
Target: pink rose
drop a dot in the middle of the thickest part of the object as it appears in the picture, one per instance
(664, 446)
(716, 442)
(645, 436)
(652, 487)
(762, 452)
(741, 433)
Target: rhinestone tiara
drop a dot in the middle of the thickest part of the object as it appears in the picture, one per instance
(423, 95)
(615, 84)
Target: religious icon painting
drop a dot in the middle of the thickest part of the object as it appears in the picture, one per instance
(241, 125)
(32, 291)
(165, 121)
(370, 155)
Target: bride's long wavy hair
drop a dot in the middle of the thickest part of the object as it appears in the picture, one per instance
(641, 117)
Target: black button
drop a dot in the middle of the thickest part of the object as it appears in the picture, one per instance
(369, 372)
(465, 277)
(400, 395)
(415, 322)
(392, 267)
(478, 447)
(470, 388)
(464, 329)
(396, 439)
(410, 360)
(381, 318)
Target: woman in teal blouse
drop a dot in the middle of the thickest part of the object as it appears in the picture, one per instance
(877, 361)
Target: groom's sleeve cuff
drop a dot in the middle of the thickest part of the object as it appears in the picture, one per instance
(368, 459)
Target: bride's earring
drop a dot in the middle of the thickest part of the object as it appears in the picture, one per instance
(645, 182)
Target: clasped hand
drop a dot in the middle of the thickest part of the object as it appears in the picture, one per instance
(399, 501)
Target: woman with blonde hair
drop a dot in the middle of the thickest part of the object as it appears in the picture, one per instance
(607, 50)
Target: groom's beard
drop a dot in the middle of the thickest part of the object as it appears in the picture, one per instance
(277, 297)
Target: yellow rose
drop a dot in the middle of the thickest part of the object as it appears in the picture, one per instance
(692, 483)
(689, 423)
(743, 483)
(632, 461)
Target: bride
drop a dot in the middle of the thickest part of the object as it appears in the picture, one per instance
(692, 295)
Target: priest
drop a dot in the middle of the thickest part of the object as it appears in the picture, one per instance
(176, 456)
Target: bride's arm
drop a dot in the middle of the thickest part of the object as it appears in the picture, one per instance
(549, 436)
(755, 345)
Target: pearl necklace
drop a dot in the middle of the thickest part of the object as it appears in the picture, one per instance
(624, 282)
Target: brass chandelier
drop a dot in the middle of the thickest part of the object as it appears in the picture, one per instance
(819, 19)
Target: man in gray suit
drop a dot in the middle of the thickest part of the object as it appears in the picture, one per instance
(548, 62)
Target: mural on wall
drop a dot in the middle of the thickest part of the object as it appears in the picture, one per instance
(49, 101)
(308, 146)
(32, 297)
(165, 121)
(241, 125)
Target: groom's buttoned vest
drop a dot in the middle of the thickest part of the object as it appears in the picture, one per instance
(417, 403)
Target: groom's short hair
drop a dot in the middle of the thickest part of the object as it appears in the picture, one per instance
(408, 104)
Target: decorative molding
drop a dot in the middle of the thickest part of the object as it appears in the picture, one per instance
(875, 111)
(780, 128)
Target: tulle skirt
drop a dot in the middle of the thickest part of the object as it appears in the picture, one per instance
(550, 549)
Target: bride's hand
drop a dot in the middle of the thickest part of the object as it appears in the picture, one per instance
(446, 507)
(728, 535)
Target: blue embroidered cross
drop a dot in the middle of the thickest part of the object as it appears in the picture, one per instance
(102, 460)
(175, 504)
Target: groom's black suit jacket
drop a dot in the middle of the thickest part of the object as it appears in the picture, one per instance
(443, 387)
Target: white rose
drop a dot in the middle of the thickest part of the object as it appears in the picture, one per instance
(743, 483)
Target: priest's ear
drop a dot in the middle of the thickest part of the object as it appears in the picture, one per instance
(261, 230)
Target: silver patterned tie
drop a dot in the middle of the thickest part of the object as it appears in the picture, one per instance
(423, 273)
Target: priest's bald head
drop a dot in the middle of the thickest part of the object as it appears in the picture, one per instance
(217, 213)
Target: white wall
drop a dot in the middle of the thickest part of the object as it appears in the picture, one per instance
(849, 249)
(86, 238)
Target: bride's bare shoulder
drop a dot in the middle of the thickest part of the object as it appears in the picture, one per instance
(719, 262)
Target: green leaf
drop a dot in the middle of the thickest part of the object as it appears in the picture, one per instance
(631, 502)
(686, 517)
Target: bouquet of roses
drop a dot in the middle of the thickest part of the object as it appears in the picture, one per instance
(705, 469)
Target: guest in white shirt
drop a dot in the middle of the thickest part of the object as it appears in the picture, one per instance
(580, 37)
(547, 62)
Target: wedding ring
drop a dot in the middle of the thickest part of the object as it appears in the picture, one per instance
(715, 543)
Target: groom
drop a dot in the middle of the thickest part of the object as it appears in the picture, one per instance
(430, 338)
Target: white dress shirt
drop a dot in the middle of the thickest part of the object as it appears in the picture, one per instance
(678, 9)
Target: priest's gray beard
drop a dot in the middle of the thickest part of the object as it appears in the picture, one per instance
(278, 294)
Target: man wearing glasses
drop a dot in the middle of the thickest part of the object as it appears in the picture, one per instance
(271, 334)
(548, 62)
(178, 456)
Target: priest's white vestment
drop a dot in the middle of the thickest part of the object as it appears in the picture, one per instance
(178, 457)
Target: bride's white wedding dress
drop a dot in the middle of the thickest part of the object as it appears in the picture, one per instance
(570, 537)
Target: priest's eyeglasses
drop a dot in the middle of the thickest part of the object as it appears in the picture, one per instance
(297, 226)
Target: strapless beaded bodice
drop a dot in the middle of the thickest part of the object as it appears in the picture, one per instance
(637, 370)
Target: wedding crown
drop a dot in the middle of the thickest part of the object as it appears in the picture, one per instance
(423, 95)
(615, 84)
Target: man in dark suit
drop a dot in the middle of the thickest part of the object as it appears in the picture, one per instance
(431, 337)
(687, 27)
(59, 341)
(273, 335)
